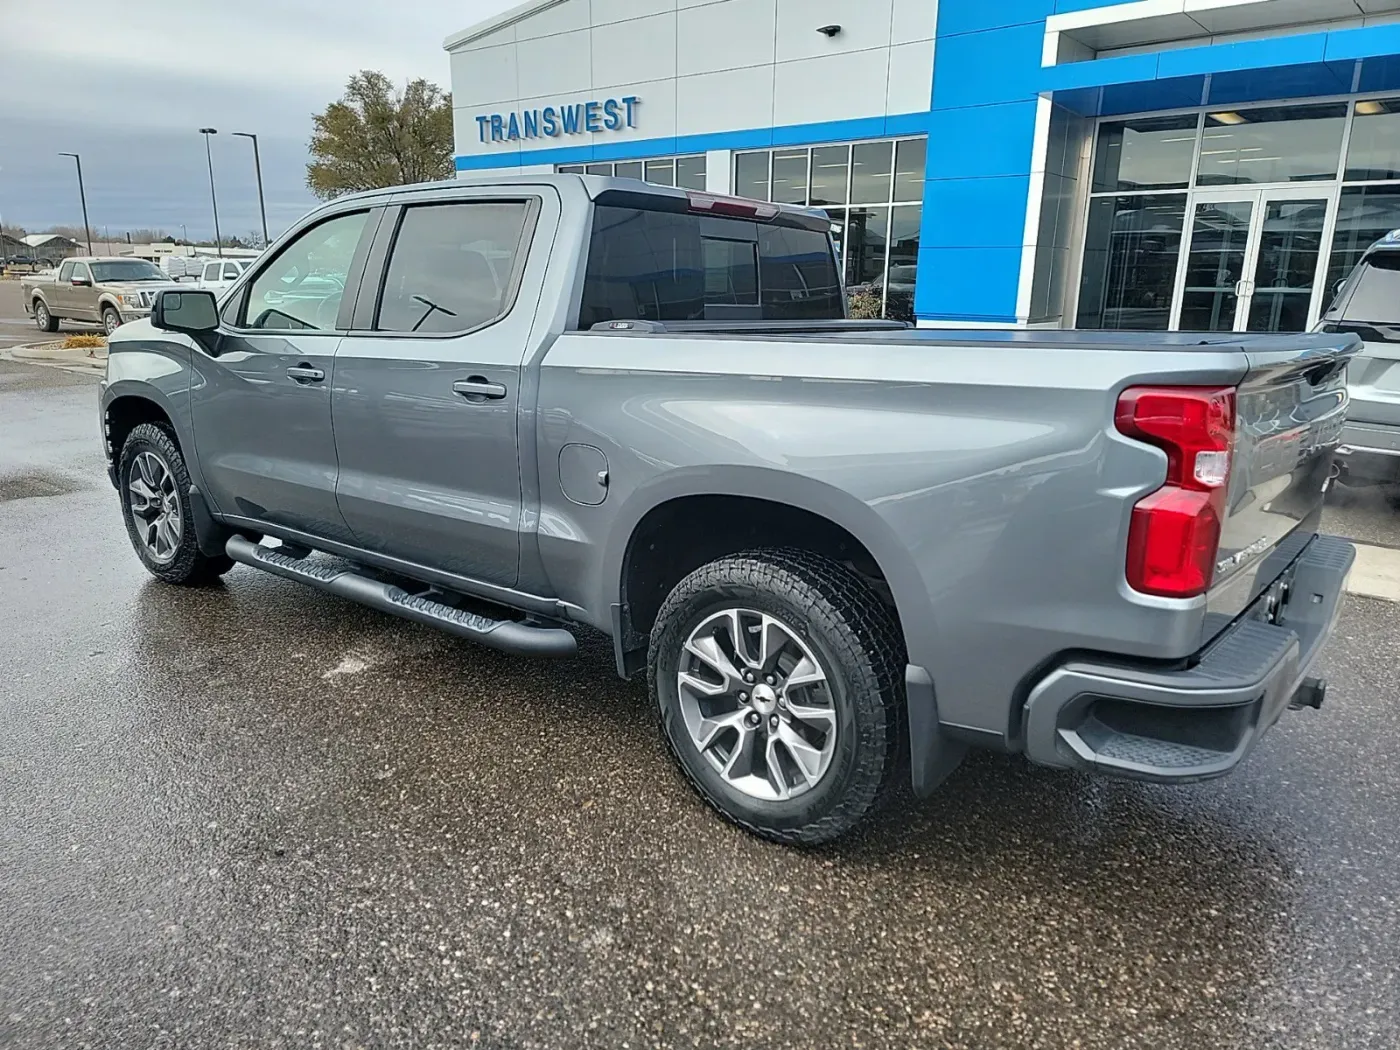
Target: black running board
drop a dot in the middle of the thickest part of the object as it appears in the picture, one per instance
(510, 636)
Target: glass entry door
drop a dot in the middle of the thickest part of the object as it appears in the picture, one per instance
(1252, 261)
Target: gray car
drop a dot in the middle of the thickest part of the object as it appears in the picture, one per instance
(1368, 305)
(841, 552)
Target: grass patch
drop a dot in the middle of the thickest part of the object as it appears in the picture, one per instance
(84, 342)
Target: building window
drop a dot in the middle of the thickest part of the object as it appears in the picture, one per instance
(873, 192)
(1235, 219)
(686, 172)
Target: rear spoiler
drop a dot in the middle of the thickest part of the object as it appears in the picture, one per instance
(626, 193)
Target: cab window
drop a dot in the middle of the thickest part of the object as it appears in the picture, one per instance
(303, 287)
(211, 271)
(65, 272)
(452, 266)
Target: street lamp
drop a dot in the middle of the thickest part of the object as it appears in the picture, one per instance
(218, 238)
(257, 167)
(82, 196)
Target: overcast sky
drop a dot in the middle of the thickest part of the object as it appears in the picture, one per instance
(127, 85)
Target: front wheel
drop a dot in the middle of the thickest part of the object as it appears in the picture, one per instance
(155, 494)
(778, 679)
(46, 321)
(111, 320)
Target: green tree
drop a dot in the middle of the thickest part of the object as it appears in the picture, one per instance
(379, 136)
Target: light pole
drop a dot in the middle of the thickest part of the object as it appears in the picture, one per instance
(257, 167)
(82, 196)
(213, 198)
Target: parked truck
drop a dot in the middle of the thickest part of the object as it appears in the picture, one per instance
(842, 553)
(105, 290)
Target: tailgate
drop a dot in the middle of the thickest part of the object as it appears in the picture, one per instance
(1289, 412)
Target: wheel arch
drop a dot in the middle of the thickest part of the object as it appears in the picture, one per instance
(783, 510)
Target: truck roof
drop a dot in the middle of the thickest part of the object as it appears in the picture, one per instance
(594, 185)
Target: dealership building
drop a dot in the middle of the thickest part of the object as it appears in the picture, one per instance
(1158, 164)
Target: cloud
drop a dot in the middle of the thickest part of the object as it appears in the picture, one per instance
(131, 97)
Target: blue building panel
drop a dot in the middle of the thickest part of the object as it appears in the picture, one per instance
(976, 285)
(1002, 133)
(980, 69)
(975, 213)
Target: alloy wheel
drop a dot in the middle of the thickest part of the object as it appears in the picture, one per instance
(757, 704)
(154, 499)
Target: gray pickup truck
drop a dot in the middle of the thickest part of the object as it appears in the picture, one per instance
(842, 552)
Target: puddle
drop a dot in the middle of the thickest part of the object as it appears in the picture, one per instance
(33, 484)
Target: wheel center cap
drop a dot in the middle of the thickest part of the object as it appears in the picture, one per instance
(765, 700)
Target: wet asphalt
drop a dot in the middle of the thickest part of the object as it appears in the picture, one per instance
(257, 816)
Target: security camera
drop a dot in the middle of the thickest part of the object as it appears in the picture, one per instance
(828, 30)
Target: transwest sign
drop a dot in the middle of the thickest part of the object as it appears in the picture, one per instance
(578, 118)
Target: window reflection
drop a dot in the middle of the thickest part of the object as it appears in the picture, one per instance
(1274, 144)
(1130, 259)
(870, 172)
(878, 244)
(1374, 152)
(1149, 154)
(1366, 214)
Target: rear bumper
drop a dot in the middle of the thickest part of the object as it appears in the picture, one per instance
(1178, 726)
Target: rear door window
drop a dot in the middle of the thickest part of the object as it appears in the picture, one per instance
(1375, 294)
(453, 267)
(650, 265)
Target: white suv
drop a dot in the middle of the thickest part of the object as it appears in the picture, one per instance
(221, 273)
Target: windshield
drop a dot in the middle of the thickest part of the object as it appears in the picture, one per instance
(1376, 295)
(126, 270)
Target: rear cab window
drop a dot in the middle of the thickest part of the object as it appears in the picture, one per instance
(657, 262)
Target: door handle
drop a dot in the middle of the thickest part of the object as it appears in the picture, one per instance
(306, 374)
(479, 388)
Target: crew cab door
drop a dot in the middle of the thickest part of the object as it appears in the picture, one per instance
(261, 403)
(80, 301)
(428, 384)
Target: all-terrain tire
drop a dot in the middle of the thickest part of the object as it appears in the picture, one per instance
(187, 565)
(857, 641)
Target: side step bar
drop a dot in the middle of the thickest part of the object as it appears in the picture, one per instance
(510, 636)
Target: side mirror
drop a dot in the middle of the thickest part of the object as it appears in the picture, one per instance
(192, 311)
(81, 282)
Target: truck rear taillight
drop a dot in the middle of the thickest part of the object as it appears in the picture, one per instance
(737, 207)
(1174, 536)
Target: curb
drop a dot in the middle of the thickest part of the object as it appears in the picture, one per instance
(75, 361)
(1376, 573)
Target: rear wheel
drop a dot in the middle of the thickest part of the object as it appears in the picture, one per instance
(777, 676)
(46, 321)
(155, 494)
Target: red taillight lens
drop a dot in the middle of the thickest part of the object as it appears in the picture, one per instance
(1175, 532)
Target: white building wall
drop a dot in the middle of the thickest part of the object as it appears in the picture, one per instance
(700, 67)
